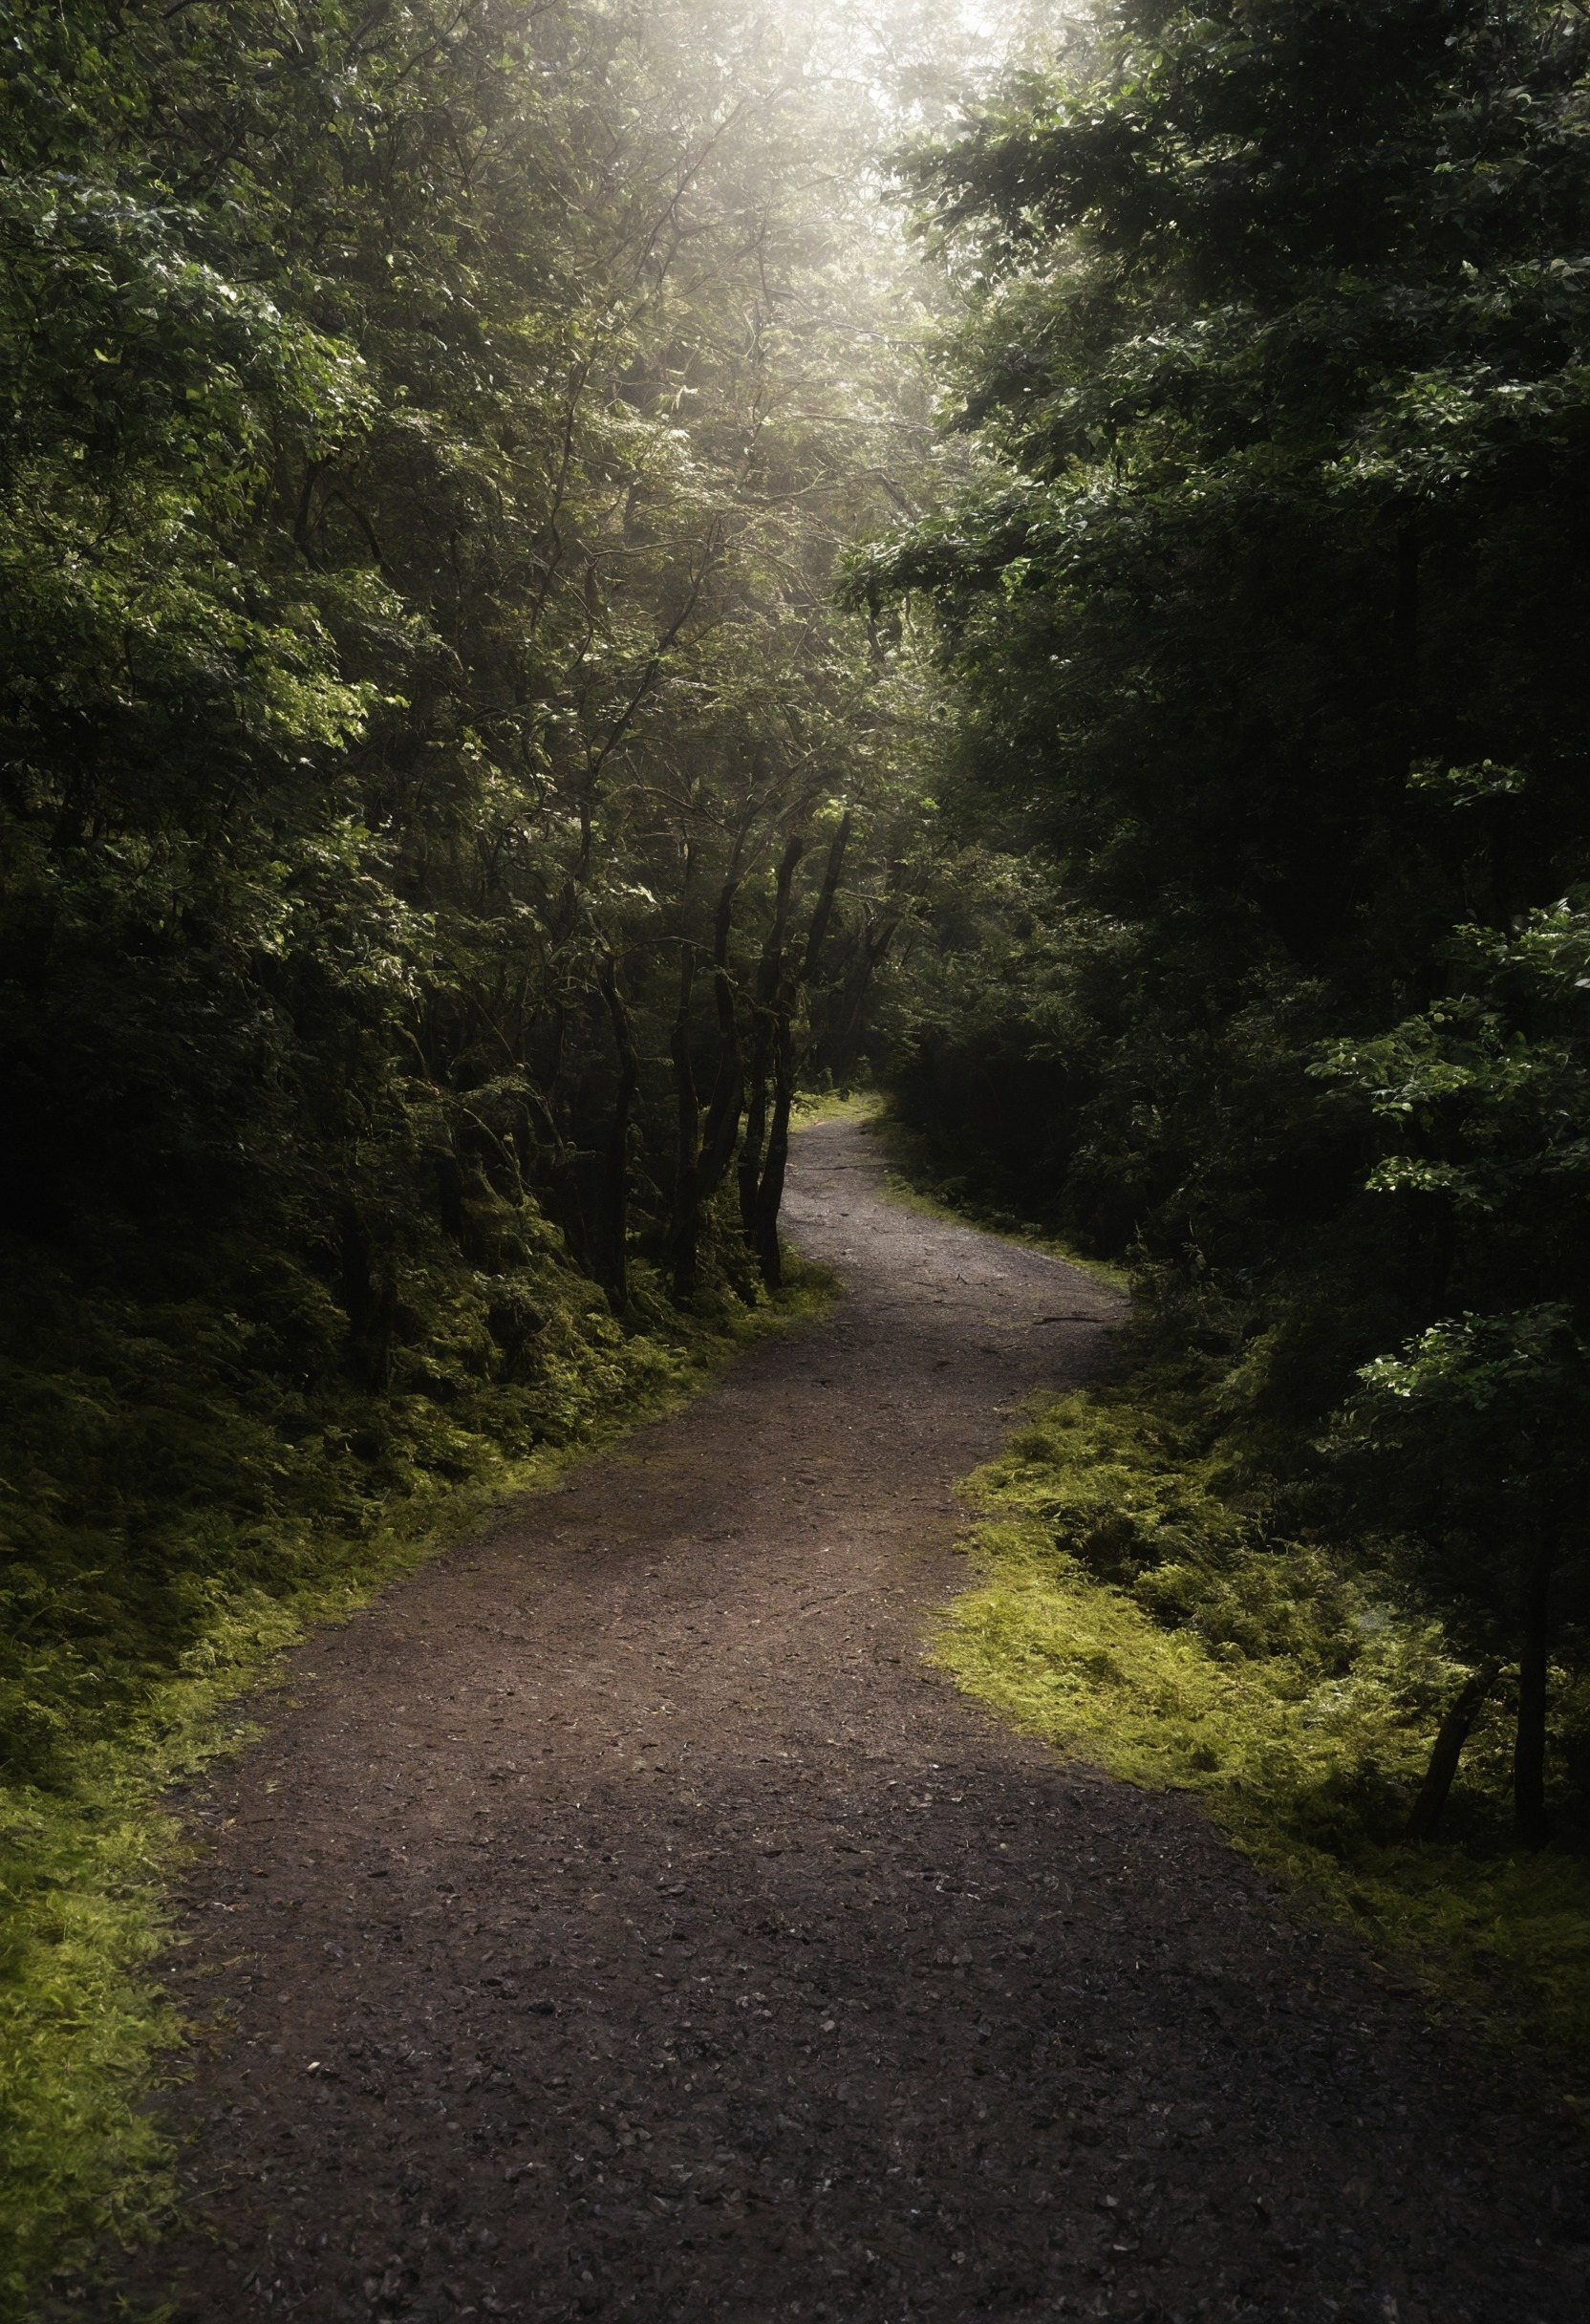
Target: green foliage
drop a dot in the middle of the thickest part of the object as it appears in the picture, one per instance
(420, 471)
(1254, 947)
(1137, 1607)
(1126, 1491)
(441, 816)
(190, 1518)
(162, 1456)
(414, 583)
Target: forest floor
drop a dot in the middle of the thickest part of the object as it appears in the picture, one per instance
(622, 1919)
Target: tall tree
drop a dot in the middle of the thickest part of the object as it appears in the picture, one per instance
(428, 435)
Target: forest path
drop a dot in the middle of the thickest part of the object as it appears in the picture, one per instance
(619, 1921)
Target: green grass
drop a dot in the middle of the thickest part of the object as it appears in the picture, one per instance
(1140, 1606)
(154, 1591)
(1133, 1610)
(834, 1105)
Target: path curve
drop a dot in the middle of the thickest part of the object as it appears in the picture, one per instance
(620, 1922)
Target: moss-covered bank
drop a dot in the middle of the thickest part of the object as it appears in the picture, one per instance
(1134, 1607)
(176, 1514)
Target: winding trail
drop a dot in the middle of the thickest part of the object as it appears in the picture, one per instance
(619, 1920)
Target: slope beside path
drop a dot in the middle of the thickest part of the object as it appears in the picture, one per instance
(620, 1921)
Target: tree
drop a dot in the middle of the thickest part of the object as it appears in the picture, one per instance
(1268, 617)
(429, 436)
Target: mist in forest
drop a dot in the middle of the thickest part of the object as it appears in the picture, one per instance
(579, 577)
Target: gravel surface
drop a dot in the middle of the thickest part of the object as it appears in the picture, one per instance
(618, 1921)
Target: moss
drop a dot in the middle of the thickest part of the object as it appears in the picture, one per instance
(1135, 1610)
(845, 1105)
(176, 1520)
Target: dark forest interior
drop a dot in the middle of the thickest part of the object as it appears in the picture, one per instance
(580, 581)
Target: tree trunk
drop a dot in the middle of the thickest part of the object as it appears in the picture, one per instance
(685, 1227)
(843, 1038)
(723, 1123)
(763, 1025)
(756, 1124)
(770, 1192)
(1447, 1749)
(615, 1177)
(823, 909)
(761, 1173)
(816, 935)
(1529, 1750)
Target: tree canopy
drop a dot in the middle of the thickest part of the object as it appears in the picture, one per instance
(441, 807)
(536, 625)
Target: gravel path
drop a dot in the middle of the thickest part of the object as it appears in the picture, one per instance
(618, 1922)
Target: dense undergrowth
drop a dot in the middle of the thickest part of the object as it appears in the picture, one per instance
(1147, 1596)
(1141, 1602)
(177, 1514)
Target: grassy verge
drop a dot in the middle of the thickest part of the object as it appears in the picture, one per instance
(101, 1724)
(1134, 1610)
(1141, 1604)
(834, 1105)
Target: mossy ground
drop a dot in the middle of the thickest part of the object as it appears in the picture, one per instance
(834, 1105)
(1138, 1605)
(1130, 1613)
(135, 1690)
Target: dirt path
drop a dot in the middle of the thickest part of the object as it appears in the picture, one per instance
(621, 1924)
